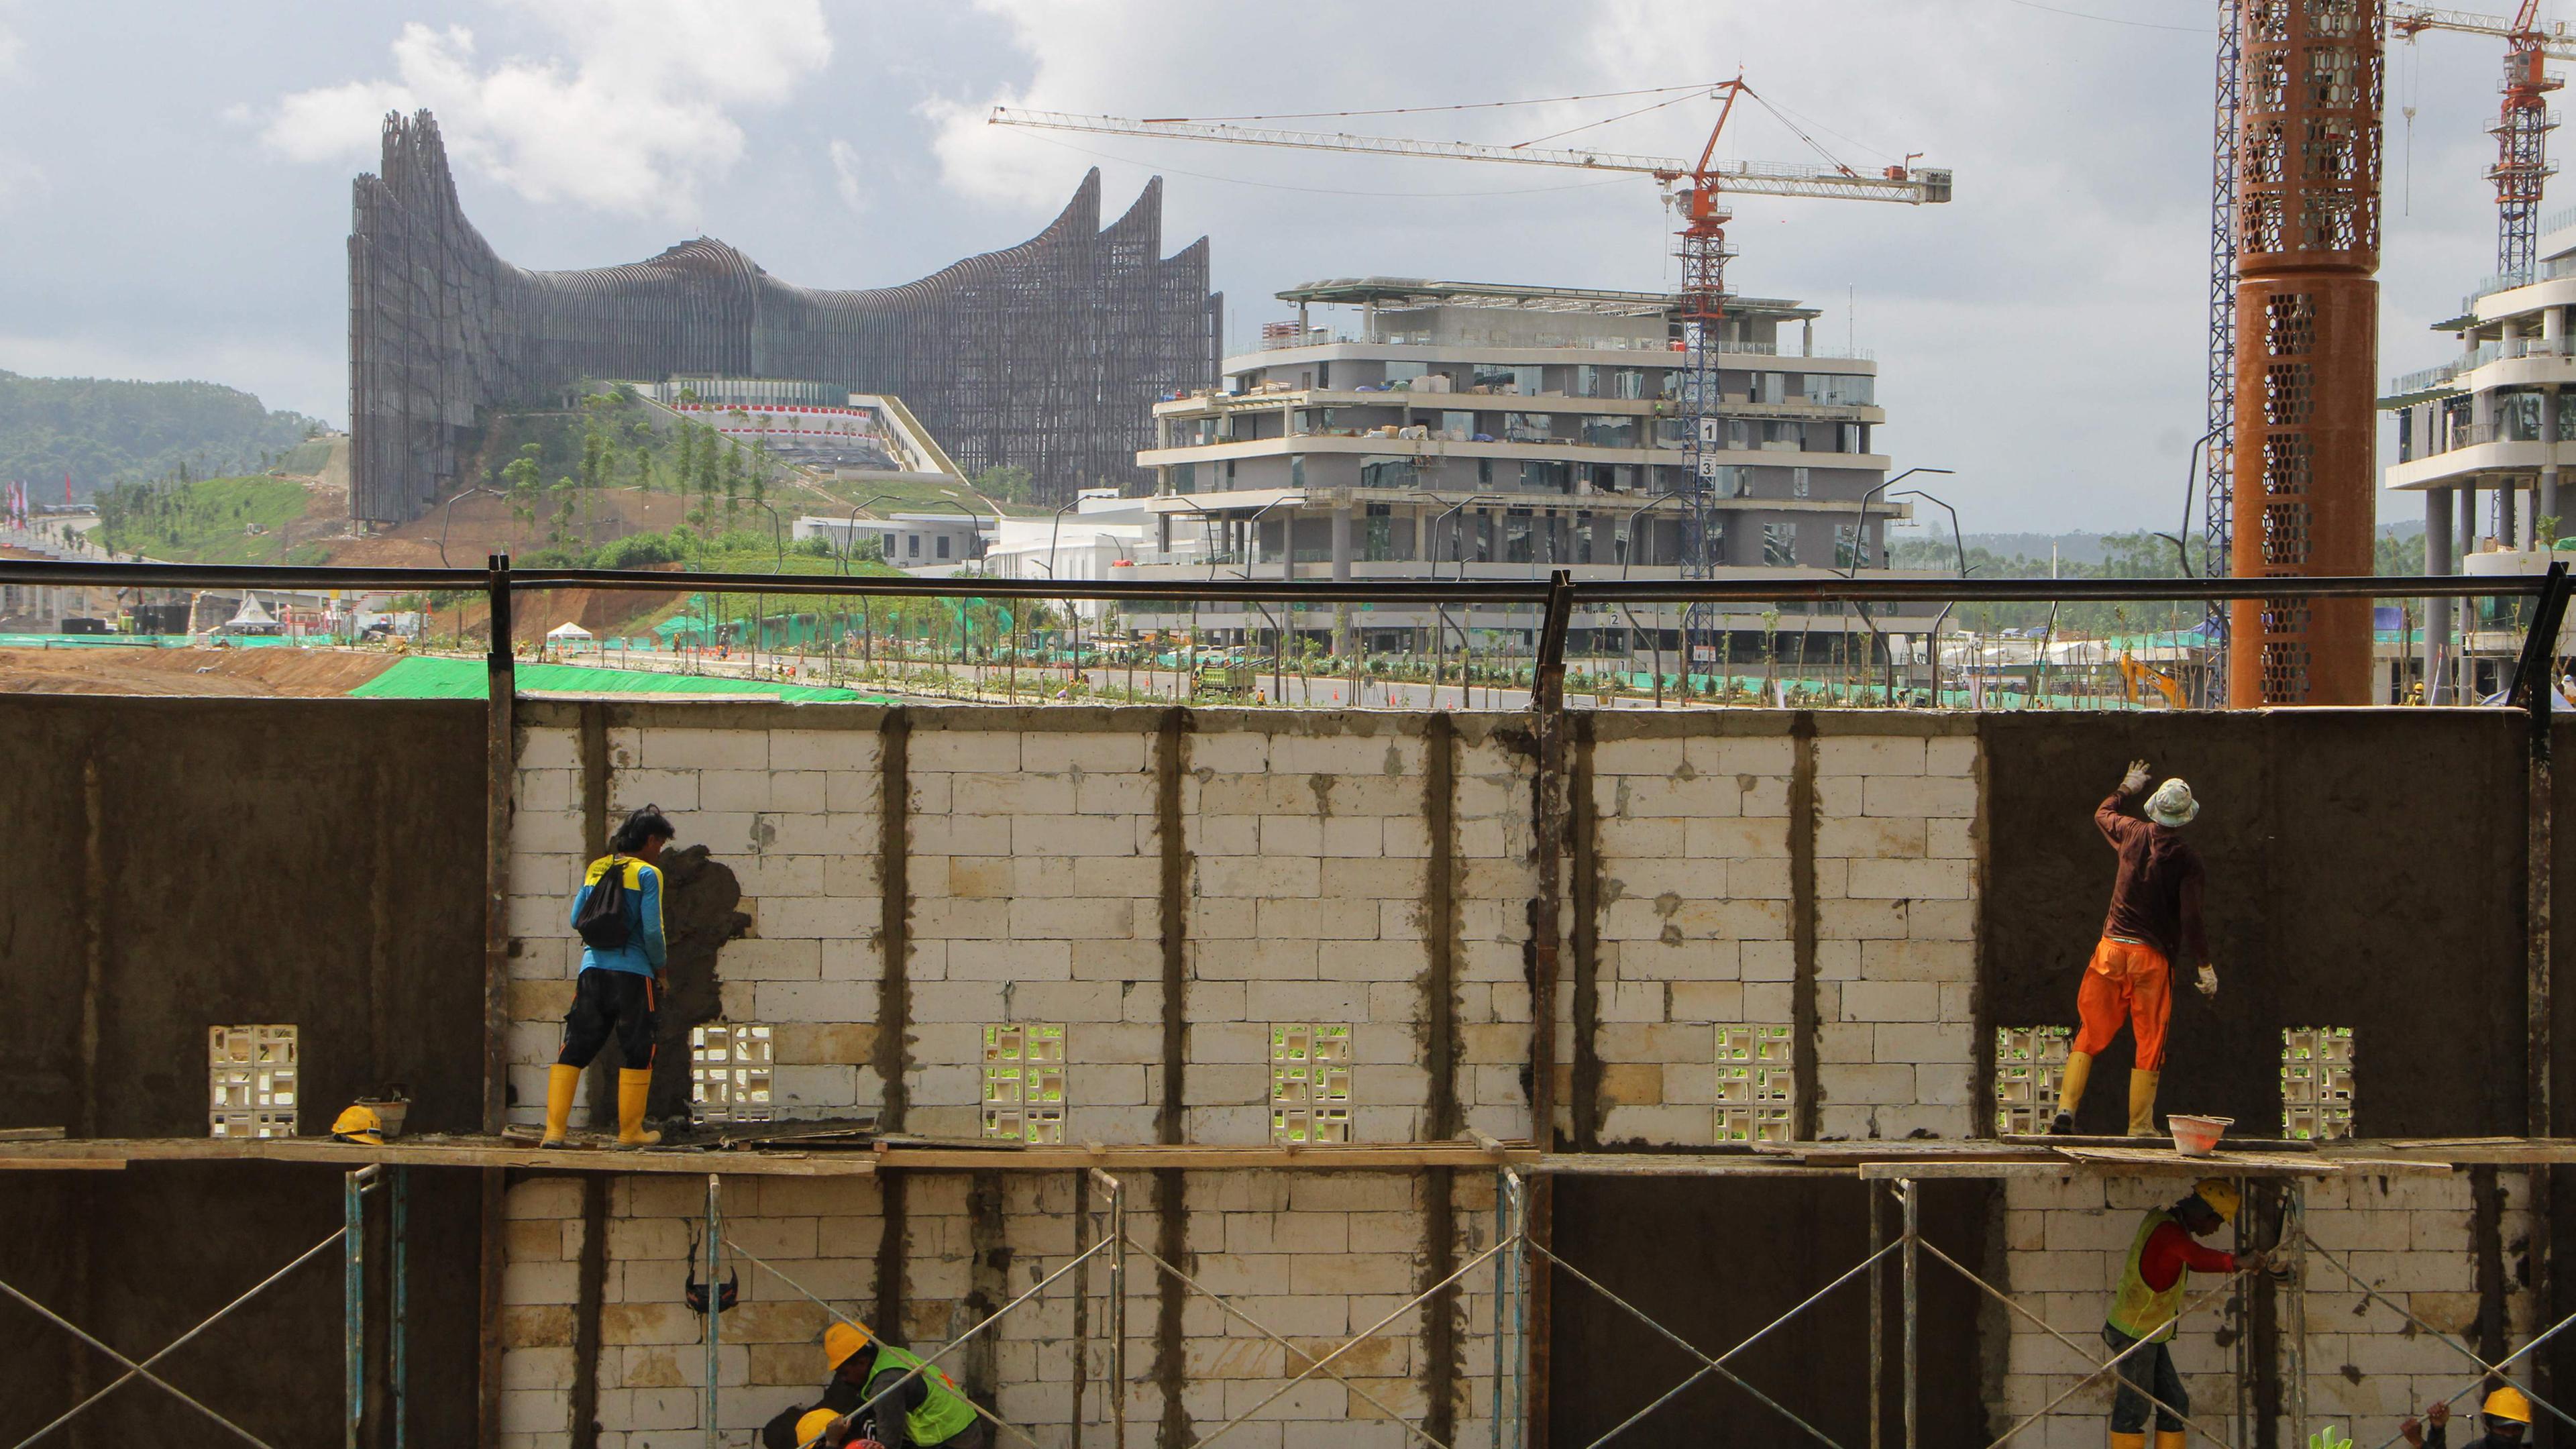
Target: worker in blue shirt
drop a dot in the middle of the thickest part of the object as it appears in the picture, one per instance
(618, 915)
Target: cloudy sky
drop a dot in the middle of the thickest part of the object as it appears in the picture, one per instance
(174, 179)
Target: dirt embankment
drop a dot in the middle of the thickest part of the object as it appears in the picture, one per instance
(266, 671)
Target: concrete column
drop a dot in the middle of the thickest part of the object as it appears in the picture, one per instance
(2437, 612)
(1162, 533)
(1342, 541)
(2508, 531)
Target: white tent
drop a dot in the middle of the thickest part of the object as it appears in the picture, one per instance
(567, 630)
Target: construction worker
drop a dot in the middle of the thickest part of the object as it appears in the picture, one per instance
(2154, 916)
(621, 979)
(2507, 1412)
(869, 1394)
(2149, 1300)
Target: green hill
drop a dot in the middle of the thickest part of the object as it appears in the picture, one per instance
(101, 432)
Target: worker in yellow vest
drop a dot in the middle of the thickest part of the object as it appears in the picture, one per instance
(873, 1393)
(2507, 1412)
(2150, 1299)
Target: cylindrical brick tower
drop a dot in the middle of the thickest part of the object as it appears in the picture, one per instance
(2307, 343)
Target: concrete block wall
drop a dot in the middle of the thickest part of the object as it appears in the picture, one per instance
(1315, 1257)
(1698, 827)
(2410, 1237)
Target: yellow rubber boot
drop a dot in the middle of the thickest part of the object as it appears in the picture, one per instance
(2142, 1103)
(633, 1087)
(2127, 1441)
(2172, 1438)
(2070, 1091)
(561, 1081)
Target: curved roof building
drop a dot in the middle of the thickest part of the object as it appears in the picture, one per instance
(1048, 355)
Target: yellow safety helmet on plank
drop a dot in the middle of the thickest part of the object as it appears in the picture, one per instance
(2221, 1196)
(359, 1123)
(810, 1428)
(839, 1342)
(2508, 1403)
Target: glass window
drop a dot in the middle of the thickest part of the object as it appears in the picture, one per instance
(1837, 390)
(912, 545)
(1323, 374)
(2518, 417)
(1517, 546)
(1493, 378)
(1587, 380)
(1851, 551)
(1405, 372)
(1629, 382)
(1528, 427)
(1731, 481)
(1387, 473)
(1799, 482)
(1296, 470)
(1529, 381)
(1184, 477)
(1739, 434)
(1770, 387)
(1610, 432)
(1458, 427)
(1549, 477)
(1779, 544)
(1853, 440)
(943, 545)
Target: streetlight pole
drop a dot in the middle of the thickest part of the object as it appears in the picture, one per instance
(1860, 555)
(1628, 559)
(1959, 542)
(1440, 612)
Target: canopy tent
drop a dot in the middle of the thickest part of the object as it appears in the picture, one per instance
(567, 630)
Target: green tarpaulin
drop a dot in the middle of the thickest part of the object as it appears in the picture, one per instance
(421, 677)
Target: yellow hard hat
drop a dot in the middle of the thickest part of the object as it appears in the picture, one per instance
(359, 1123)
(839, 1342)
(2221, 1196)
(810, 1428)
(2508, 1403)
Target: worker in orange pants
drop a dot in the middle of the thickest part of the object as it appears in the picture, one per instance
(2154, 916)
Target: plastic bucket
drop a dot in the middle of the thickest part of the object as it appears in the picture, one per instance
(2196, 1136)
(389, 1111)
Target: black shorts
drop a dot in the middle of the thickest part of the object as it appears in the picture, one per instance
(604, 1001)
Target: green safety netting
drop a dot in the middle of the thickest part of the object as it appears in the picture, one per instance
(421, 677)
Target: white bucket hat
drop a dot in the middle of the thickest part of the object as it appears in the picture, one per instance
(2172, 805)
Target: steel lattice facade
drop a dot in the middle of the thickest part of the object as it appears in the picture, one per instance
(1048, 355)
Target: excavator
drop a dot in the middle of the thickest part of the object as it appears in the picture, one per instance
(2136, 679)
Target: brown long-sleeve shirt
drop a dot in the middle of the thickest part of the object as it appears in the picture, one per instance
(2157, 897)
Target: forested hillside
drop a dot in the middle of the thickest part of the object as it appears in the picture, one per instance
(101, 431)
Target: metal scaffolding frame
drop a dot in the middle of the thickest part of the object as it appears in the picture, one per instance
(351, 1236)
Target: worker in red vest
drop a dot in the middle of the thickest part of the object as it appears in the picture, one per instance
(2148, 1302)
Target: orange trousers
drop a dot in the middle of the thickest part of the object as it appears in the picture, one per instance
(2126, 981)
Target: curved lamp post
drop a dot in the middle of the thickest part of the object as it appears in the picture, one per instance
(1860, 555)
(1654, 637)
(1959, 542)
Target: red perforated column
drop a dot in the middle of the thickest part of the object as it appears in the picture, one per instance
(2307, 344)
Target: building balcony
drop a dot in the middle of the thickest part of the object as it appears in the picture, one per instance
(2507, 362)
(1553, 450)
(1425, 401)
(2472, 451)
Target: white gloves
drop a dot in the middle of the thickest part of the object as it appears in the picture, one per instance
(2209, 981)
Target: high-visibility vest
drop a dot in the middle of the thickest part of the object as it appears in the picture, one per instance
(943, 1414)
(2137, 1310)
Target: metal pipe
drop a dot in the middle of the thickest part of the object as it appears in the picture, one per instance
(1913, 1259)
(715, 1306)
(1877, 1315)
(2298, 1195)
(1117, 1304)
(399, 1348)
(1828, 588)
(353, 1296)
(1502, 1287)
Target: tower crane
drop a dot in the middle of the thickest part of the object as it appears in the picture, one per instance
(1700, 187)
(2523, 126)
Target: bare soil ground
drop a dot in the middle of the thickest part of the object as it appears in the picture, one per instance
(482, 525)
(266, 671)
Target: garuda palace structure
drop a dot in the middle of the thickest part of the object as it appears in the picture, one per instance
(1048, 355)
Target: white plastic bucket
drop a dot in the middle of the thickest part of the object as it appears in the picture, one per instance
(2196, 1136)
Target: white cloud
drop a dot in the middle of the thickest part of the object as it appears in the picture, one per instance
(849, 175)
(637, 109)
